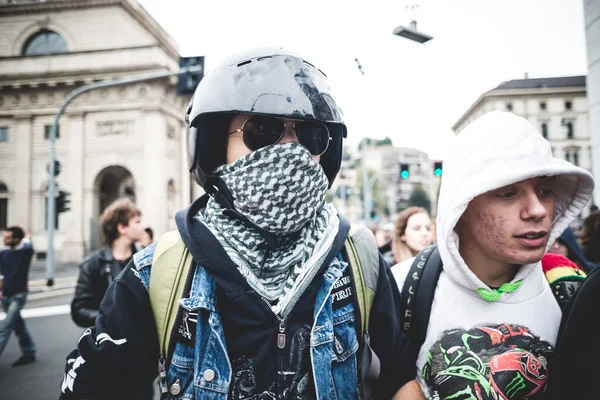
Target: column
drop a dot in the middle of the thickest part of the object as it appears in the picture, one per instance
(71, 222)
(21, 202)
(151, 178)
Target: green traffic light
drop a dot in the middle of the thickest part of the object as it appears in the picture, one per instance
(437, 172)
(404, 174)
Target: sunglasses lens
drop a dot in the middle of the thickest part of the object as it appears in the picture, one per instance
(312, 135)
(260, 132)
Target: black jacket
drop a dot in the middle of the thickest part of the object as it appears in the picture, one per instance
(577, 371)
(126, 362)
(96, 273)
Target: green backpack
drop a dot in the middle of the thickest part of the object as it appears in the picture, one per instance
(171, 268)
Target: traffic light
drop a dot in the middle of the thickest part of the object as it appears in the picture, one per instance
(188, 81)
(404, 172)
(437, 168)
(62, 202)
(57, 167)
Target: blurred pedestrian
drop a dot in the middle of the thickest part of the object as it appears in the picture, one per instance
(384, 237)
(412, 233)
(147, 238)
(122, 227)
(590, 237)
(15, 261)
(568, 246)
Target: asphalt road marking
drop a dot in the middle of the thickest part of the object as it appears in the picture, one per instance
(42, 311)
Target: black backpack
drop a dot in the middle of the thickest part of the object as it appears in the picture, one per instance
(419, 290)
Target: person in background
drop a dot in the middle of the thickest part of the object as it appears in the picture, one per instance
(15, 261)
(590, 237)
(384, 237)
(122, 227)
(412, 233)
(147, 238)
(566, 245)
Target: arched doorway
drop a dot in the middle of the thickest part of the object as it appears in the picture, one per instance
(111, 183)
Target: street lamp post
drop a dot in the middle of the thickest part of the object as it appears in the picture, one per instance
(50, 218)
(411, 33)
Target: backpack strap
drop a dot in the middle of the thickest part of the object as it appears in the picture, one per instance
(170, 267)
(422, 279)
(363, 256)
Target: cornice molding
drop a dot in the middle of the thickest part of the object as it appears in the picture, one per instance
(131, 6)
(496, 94)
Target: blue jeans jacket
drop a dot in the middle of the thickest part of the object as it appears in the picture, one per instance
(204, 372)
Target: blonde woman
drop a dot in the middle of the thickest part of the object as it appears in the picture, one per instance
(413, 232)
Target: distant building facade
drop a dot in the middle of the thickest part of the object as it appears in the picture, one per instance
(591, 12)
(121, 141)
(557, 107)
(390, 193)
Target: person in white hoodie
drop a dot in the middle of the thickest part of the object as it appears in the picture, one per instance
(494, 320)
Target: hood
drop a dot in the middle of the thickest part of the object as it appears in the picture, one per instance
(569, 239)
(496, 150)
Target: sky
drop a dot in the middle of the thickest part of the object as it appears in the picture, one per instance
(410, 92)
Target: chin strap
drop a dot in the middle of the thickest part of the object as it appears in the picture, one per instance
(217, 189)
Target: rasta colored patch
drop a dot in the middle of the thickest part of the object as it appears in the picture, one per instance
(492, 362)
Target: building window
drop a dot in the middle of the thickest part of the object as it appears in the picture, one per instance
(509, 107)
(543, 106)
(44, 42)
(3, 206)
(545, 130)
(568, 105)
(572, 156)
(3, 133)
(569, 127)
(47, 131)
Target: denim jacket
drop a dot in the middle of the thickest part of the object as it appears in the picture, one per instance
(204, 372)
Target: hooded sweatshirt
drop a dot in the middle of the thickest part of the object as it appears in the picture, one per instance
(491, 349)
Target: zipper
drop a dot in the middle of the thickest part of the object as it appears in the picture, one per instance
(162, 375)
(281, 336)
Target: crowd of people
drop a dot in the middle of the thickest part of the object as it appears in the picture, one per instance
(265, 291)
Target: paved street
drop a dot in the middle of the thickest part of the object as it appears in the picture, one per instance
(55, 336)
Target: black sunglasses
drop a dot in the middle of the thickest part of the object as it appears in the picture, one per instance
(259, 132)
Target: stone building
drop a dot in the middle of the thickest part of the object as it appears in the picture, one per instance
(558, 107)
(120, 141)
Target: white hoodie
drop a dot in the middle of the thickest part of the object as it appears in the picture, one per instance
(468, 348)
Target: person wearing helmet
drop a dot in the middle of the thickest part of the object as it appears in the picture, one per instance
(270, 308)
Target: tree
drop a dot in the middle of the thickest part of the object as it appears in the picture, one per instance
(419, 198)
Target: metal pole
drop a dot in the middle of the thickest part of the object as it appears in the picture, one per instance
(50, 218)
(365, 184)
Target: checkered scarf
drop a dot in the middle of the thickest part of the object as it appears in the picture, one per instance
(280, 189)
